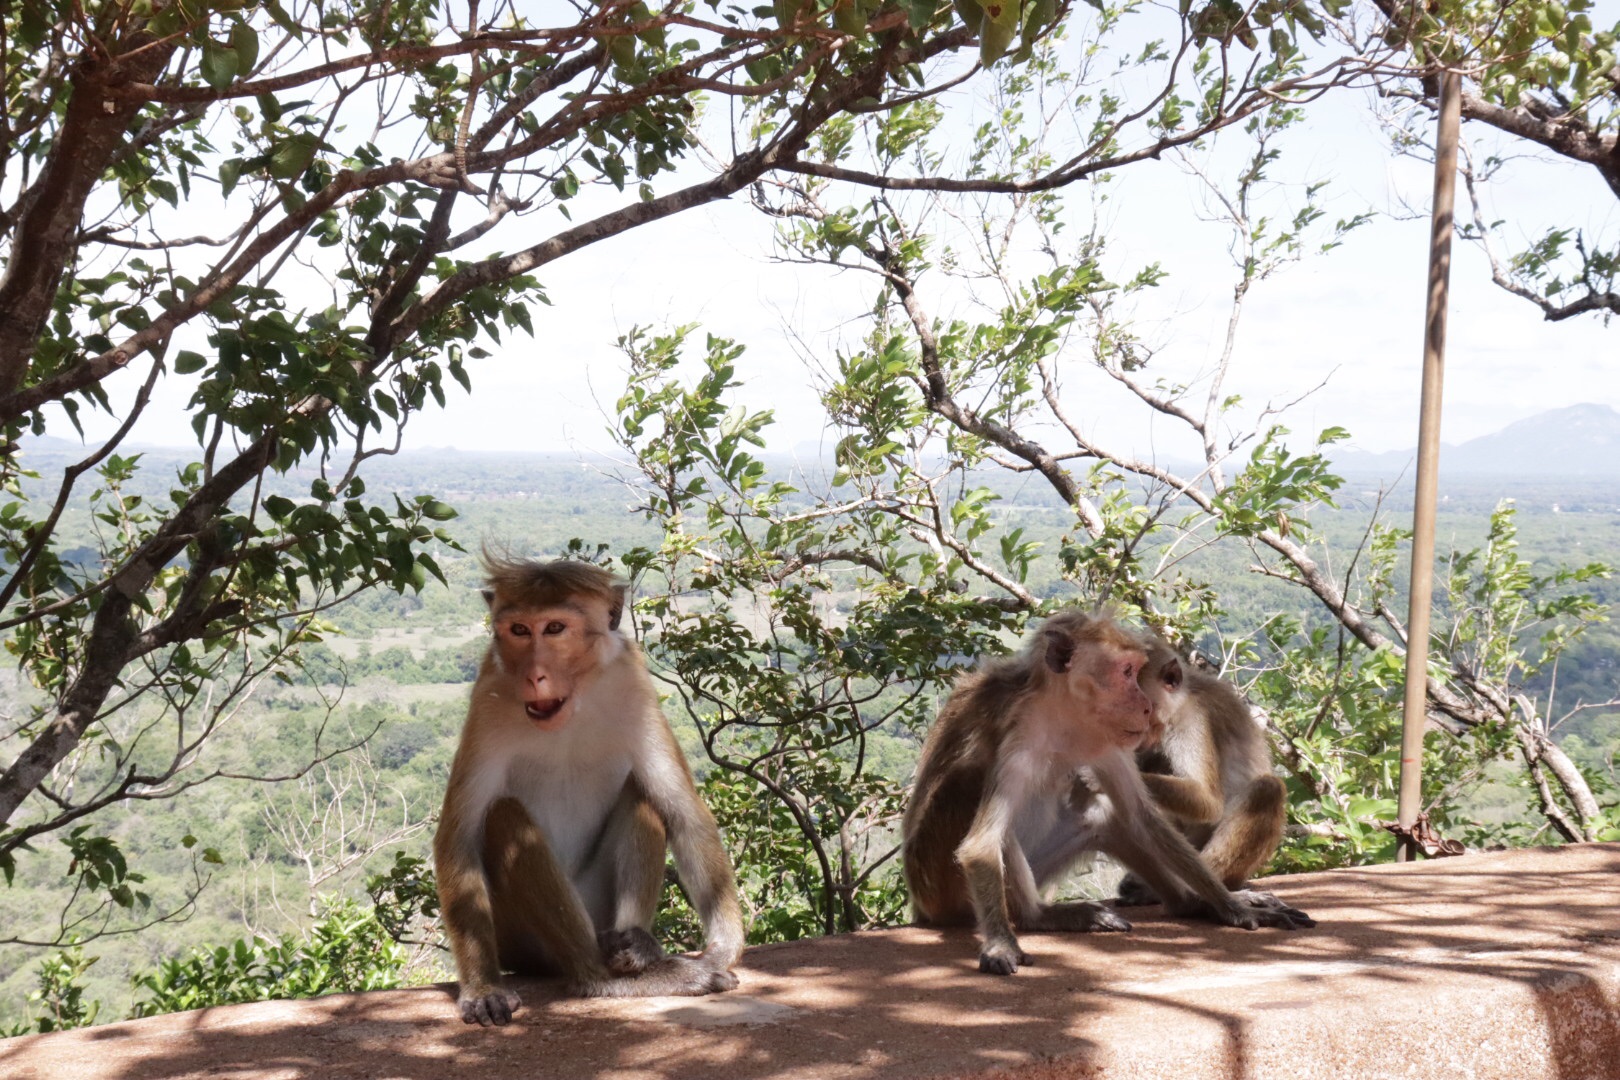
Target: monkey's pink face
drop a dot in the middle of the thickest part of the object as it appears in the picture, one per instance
(1123, 705)
(1101, 679)
(549, 652)
(1107, 676)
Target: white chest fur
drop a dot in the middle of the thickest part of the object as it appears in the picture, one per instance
(569, 802)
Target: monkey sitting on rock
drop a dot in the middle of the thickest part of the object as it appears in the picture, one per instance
(1028, 767)
(1210, 771)
(566, 788)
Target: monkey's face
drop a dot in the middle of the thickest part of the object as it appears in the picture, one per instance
(1122, 704)
(549, 653)
(1102, 683)
(1164, 682)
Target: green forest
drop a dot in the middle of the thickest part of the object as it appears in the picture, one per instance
(248, 249)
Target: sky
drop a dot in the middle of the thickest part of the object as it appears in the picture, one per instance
(1342, 332)
(1350, 321)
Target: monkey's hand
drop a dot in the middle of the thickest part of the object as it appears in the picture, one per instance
(629, 952)
(1134, 892)
(1246, 911)
(1246, 915)
(1003, 957)
(488, 1005)
(1081, 916)
(1276, 913)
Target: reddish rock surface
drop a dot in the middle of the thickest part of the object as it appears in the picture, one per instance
(1497, 965)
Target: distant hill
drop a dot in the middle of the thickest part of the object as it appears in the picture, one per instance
(1581, 440)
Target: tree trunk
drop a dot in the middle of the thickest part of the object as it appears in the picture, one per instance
(46, 236)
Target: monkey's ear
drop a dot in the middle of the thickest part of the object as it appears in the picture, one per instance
(1059, 648)
(489, 597)
(616, 608)
(1172, 674)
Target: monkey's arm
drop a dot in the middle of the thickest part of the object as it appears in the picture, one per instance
(1140, 837)
(1190, 789)
(1189, 800)
(700, 855)
(982, 856)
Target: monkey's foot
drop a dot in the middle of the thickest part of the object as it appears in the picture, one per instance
(673, 976)
(493, 1005)
(629, 952)
(1134, 892)
(1003, 958)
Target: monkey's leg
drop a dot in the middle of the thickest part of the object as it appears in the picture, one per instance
(543, 928)
(627, 868)
(541, 925)
(1248, 835)
(629, 858)
(934, 880)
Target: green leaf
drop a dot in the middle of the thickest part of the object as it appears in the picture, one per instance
(283, 20)
(186, 362)
(995, 38)
(219, 64)
(292, 156)
(245, 40)
(230, 172)
(438, 511)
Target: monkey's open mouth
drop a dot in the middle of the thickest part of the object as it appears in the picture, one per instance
(542, 711)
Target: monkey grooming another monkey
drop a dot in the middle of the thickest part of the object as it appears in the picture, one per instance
(565, 789)
(1210, 771)
(1028, 767)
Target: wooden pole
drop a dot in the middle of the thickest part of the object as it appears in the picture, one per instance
(1428, 462)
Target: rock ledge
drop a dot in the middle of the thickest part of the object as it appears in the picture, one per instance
(1494, 965)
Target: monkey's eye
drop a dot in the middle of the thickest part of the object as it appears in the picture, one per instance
(554, 627)
(1130, 671)
(518, 629)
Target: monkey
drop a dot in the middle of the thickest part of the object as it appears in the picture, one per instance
(1029, 766)
(565, 791)
(1209, 770)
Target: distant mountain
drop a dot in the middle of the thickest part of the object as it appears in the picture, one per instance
(1581, 440)
(50, 444)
